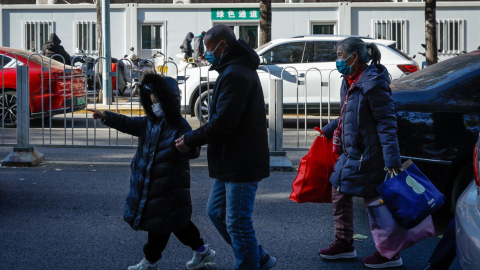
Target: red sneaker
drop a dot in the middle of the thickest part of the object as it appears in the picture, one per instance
(338, 249)
(377, 261)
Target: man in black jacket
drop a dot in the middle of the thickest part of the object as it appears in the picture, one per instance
(238, 156)
(52, 47)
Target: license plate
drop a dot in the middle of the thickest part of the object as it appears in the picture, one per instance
(80, 101)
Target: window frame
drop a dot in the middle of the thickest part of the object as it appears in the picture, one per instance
(322, 22)
(36, 26)
(446, 38)
(388, 32)
(237, 24)
(310, 51)
(162, 36)
(90, 31)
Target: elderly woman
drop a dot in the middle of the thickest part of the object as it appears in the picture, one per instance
(365, 137)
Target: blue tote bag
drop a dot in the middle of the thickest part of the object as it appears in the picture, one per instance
(410, 196)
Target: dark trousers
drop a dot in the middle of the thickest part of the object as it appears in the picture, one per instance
(189, 236)
(343, 215)
(446, 250)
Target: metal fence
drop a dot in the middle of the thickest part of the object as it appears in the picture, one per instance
(54, 99)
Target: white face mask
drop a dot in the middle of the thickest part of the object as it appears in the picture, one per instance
(157, 110)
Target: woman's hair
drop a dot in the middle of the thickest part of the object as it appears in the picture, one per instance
(366, 52)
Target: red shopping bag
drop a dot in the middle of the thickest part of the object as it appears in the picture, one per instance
(311, 183)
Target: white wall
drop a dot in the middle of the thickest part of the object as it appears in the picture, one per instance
(64, 26)
(178, 23)
(289, 22)
(415, 16)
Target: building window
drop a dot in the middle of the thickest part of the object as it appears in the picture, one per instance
(392, 30)
(35, 34)
(319, 28)
(151, 37)
(450, 36)
(86, 37)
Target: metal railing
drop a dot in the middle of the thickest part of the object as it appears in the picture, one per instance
(57, 94)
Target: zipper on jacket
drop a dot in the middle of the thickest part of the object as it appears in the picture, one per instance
(360, 163)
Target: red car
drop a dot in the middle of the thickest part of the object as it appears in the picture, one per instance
(57, 86)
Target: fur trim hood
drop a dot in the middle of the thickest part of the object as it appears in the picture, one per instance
(167, 93)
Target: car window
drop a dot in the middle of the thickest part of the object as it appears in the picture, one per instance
(394, 47)
(4, 61)
(323, 51)
(287, 53)
(263, 46)
(447, 71)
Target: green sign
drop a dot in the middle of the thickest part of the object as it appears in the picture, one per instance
(235, 14)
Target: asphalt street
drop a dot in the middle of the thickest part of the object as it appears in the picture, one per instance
(67, 214)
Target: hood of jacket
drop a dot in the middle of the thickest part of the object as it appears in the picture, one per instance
(167, 93)
(189, 37)
(239, 54)
(374, 76)
(54, 39)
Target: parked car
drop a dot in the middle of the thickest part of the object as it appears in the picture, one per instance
(61, 86)
(438, 114)
(304, 53)
(467, 220)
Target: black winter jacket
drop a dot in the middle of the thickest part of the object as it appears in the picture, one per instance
(236, 132)
(52, 47)
(159, 197)
(187, 45)
(199, 47)
(369, 135)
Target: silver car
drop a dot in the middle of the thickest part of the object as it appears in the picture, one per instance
(467, 218)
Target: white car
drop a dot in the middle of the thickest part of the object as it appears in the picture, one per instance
(308, 55)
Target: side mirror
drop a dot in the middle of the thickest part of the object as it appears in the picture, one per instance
(414, 56)
(132, 49)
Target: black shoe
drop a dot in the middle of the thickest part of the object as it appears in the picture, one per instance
(429, 267)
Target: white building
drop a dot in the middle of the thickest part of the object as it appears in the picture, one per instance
(152, 27)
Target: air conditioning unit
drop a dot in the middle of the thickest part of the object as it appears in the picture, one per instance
(46, 2)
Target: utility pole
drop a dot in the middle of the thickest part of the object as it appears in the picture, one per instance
(431, 32)
(265, 21)
(99, 47)
(106, 83)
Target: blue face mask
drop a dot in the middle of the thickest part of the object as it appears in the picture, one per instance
(342, 66)
(211, 58)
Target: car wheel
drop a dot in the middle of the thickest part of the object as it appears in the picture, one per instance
(121, 91)
(202, 104)
(461, 182)
(8, 101)
(136, 90)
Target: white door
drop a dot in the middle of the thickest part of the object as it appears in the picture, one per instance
(151, 40)
(247, 31)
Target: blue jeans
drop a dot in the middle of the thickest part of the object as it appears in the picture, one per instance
(230, 208)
